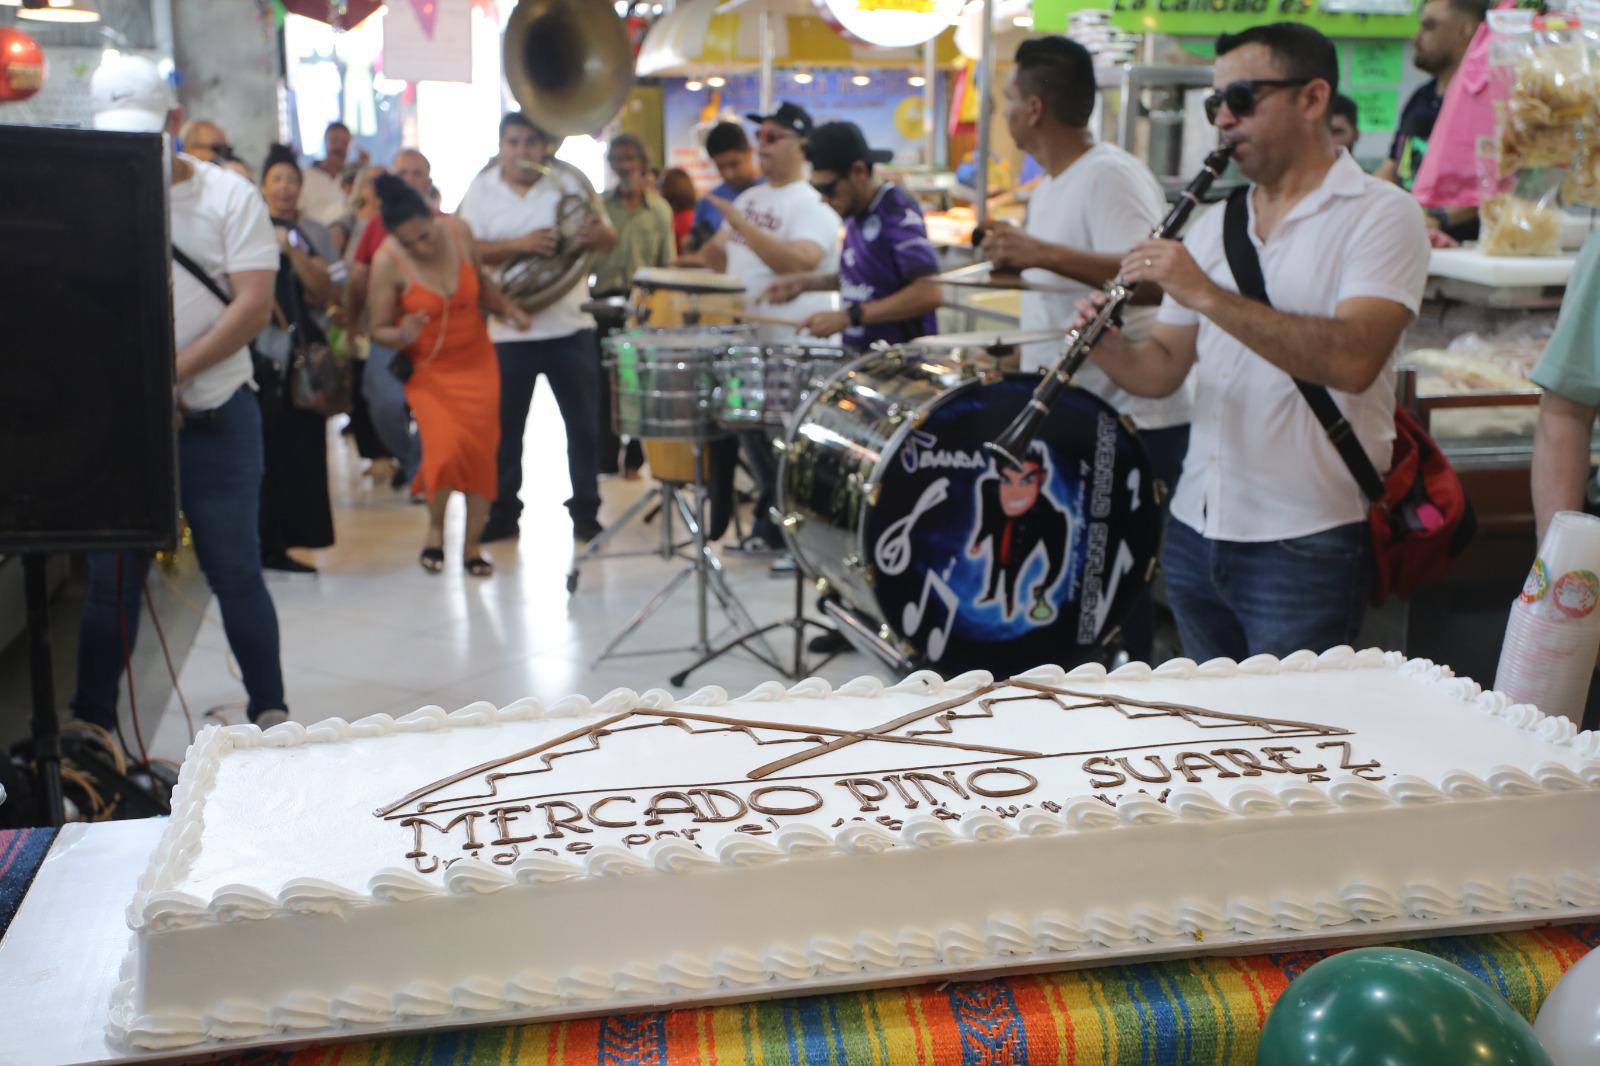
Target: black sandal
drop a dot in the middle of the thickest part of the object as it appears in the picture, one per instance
(478, 566)
(432, 559)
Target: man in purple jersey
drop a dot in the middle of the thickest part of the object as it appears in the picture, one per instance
(886, 248)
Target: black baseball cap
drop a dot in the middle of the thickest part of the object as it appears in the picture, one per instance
(789, 116)
(837, 146)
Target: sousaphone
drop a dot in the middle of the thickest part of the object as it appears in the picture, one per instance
(570, 66)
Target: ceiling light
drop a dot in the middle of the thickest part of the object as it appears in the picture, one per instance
(621, 7)
(1024, 21)
(802, 78)
(916, 81)
(693, 86)
(860, 79)
(716, 82)
(59, 11)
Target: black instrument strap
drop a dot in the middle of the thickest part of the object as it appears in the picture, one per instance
(200, 274)
(1245, 263)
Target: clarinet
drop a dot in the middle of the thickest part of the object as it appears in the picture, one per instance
(1013, 443)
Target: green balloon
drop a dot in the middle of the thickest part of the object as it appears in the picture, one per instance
(1393, 1007)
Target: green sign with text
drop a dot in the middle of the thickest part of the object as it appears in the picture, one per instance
(1207, 18)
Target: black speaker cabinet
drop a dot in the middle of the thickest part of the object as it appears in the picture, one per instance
(88, 448)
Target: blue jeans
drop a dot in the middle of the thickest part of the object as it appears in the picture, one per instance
(386, 403)
(1166, 448)
(219, 478)
(574, 372)
(1236, 600)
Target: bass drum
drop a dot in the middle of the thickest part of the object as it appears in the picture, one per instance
(888, 496)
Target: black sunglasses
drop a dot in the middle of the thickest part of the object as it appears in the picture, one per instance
(825, 189)
(1241, 96)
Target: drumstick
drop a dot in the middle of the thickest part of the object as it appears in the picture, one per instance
(765, 320)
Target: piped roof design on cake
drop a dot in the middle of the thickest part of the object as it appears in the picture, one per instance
(985, 723)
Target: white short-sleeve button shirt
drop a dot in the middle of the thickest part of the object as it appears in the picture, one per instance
(1260, 467)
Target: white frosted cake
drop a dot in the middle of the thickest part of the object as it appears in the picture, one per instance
(637, 850)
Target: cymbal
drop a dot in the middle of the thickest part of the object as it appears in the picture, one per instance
(983, 276)
(989, 341)
(609, 305)
(686, 280)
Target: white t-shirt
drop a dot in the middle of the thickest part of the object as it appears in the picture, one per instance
(498, 212)
(321, 199)
(792, 212)
(1260, 467)
(1105, 202)
(221, 222)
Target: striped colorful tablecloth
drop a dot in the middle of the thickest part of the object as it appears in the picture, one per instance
(1192, 1011)
(22, 851)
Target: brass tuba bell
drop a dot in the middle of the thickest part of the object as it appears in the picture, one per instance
(569, 63)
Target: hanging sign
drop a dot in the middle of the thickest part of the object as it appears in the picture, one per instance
(436, 49)
(889, 23)
(1208, 18)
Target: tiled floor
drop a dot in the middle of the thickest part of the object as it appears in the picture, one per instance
(374, 633)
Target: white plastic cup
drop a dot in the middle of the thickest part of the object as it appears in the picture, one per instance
(1548, 662)
(1564, 581)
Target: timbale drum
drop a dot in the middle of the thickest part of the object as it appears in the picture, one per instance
(761, 386)
(662, 379)
(889, 496)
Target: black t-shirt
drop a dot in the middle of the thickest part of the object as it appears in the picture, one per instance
(1416, 126)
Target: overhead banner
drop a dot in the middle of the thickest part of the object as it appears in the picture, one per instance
(890, 23)
(1207, 18)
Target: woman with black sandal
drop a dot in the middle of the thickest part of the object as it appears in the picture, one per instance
(428, 290)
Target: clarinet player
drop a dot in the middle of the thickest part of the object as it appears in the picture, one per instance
(1267, 550)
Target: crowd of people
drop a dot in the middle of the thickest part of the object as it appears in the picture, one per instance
(1268, 558)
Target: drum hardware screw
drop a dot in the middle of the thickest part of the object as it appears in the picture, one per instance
(823, 588)
(779, 445)
(852, 561)
(885, 633)
(918, 419)
(791, 521)
(873, 492)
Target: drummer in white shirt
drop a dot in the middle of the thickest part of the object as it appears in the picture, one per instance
(1093, 203)
(781, 227)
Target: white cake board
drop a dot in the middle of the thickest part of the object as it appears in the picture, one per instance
(60, 959)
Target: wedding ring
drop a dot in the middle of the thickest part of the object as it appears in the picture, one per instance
(1148, 264)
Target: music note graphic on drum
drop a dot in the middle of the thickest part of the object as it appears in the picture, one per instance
(893, 553)
(911, 618)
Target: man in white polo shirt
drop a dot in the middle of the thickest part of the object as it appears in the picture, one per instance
(1268, 549)
(220, 222)
(511, 208)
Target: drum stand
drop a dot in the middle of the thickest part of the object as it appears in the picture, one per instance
(796, 622)
(703, 564)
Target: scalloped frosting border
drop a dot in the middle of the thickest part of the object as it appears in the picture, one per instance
(157, 906)
(1003, 940)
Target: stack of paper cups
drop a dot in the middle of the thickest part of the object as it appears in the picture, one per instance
(1552, 639)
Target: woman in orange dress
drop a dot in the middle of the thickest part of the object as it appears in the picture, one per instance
(428, 290)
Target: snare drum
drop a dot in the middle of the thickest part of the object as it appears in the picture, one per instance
(662, 379)
(764, 386)
(888, 495)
